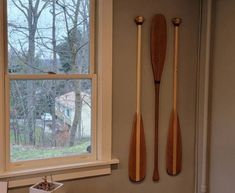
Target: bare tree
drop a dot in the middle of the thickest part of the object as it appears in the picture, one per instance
(74, 45)
(45, 48)
(31, 12)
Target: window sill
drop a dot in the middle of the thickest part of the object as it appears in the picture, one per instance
(59, 173)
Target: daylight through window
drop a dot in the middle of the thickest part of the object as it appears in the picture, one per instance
(50, 83)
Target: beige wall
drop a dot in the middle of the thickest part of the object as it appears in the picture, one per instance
(222, 170)
(124, 98)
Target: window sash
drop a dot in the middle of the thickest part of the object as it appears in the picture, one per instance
(27, 164)
(5, 88)
(92, 49)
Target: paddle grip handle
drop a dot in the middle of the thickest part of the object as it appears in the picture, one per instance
(176, 21)
(139, 20)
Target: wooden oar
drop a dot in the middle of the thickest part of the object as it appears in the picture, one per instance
(137, 156)
(158, 52)
(174, 147)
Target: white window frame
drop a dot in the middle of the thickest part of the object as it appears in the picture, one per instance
(203, 97)
(21, 175)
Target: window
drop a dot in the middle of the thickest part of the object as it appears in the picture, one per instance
(55, 94)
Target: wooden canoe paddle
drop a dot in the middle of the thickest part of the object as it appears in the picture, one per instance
(137, 156)
(158, 43)
(174, 146)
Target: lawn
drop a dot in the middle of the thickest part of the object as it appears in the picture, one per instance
(20, 153)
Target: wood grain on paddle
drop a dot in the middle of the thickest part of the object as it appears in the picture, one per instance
(174, 146)
(137, 156)
(158, 43)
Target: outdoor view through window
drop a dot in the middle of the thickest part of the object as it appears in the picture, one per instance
(49, 106)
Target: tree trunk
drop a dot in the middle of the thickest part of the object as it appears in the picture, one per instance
(76, 126)
(53, 93)
(32, 26)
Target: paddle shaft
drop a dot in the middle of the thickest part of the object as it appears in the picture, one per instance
(156, 176)
(138, 66)
(175, 65)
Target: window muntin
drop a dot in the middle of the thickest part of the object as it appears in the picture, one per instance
(48, 43)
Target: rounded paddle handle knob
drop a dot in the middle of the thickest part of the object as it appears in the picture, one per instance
(176, 21)
(139, 20)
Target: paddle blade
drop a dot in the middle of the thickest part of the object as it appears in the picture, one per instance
(174, 147)
(158, 43)
(137, 156)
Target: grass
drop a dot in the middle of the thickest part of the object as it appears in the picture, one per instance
(22, 153)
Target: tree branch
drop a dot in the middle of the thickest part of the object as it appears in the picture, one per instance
(19, 7)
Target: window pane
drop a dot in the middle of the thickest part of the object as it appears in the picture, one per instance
(48, 36)
(49, 118)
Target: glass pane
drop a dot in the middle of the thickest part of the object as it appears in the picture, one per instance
(49, 118)
(48, 36)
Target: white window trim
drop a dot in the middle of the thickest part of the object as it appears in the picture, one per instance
(100, 166)
(203, 97)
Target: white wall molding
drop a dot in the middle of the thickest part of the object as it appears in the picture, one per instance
(203, 111)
